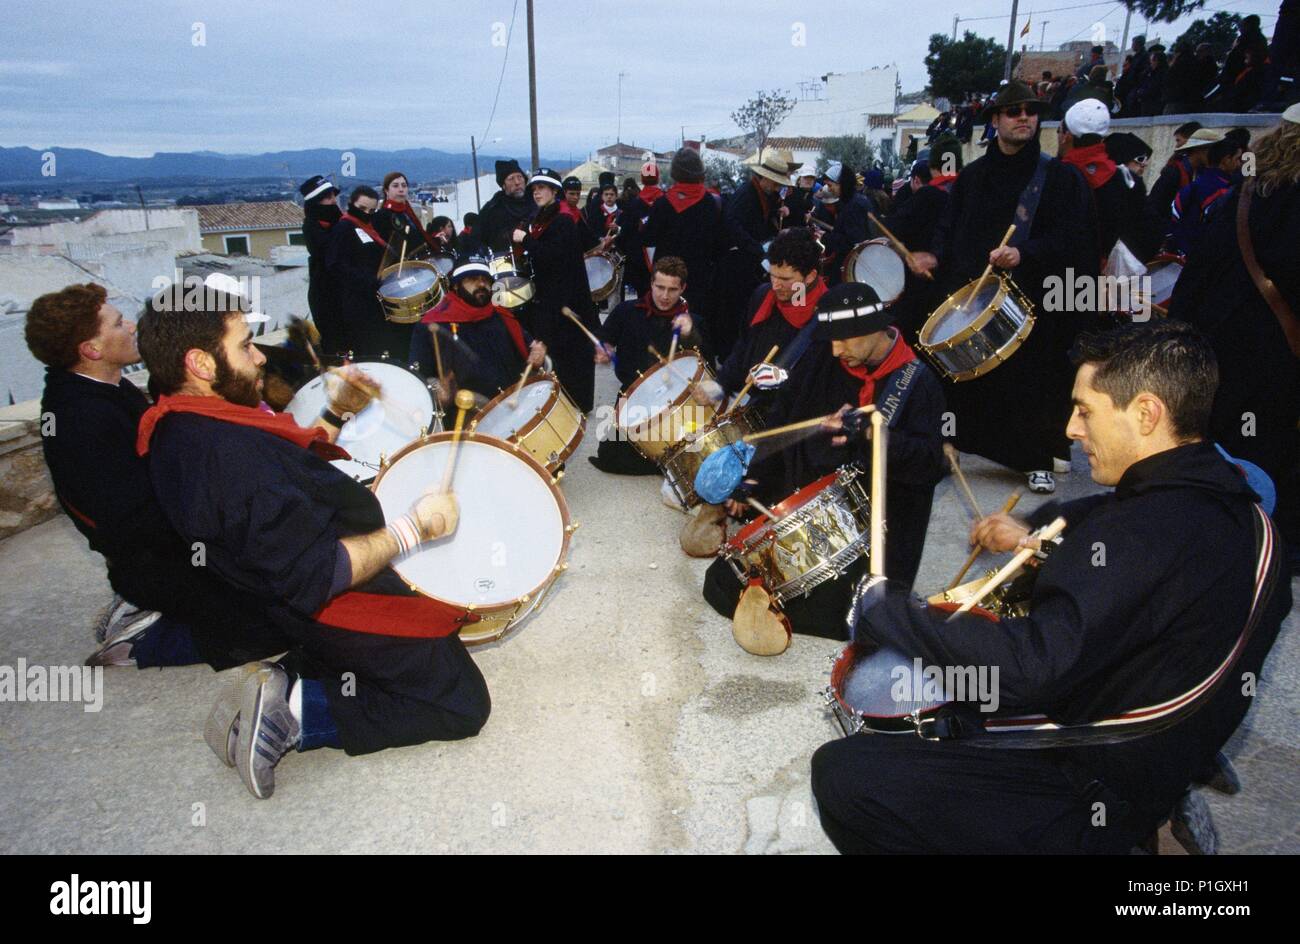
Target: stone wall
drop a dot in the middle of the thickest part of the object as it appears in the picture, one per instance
(26, 492)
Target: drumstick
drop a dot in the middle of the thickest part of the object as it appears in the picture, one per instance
(989, 268)
(376, 393)
(898, 244)
(878, 434)
(750, 382)
(437, 354)
(672, 347)
(951, 453)
(514, 399)
(568, 313)
(802, 424)
(1012, 566)
(667, 362)
(401, 258)
(1006, 509)
(464, 403)
(771, 515)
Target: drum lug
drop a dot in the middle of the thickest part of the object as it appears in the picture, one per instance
(525, 598)
(383, 459)
(571, 528)
(563, 567)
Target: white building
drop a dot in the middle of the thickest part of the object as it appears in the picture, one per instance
(843, 104)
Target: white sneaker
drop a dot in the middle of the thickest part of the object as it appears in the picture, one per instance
(1042, 483)
(1061, 466)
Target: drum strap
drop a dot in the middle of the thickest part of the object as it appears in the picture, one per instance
(1038, 731)
(1286, 318)
(1029, 198)
(898, 387)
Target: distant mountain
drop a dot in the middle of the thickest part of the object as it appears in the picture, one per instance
(23, 165)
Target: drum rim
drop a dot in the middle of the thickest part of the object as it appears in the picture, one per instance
(678, 401)
(519, 435)
(847, 269)
(981, 320)
(548, 479)
(386, 271)
(783, 508)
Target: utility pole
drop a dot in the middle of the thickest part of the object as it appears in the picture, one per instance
(1011, 41)
(1123, 43)
(618, 137)
(1042, 35)
(955, 21)
(473, 152)
(532, 85)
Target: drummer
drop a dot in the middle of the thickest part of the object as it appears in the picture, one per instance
(849, 211)
(481, 346)
(778, 311)
(371, 664)
(857, 357)
(398, 222)
(353, 259)
(629, 331)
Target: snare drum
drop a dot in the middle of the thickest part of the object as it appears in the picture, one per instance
(444, 262)
(603, 271)
(657, 410)
(1163, 271)
(683, 460)
(820, 530)
(967, 338)
(383, 427)
(512, 540)
(511, 284)
(408, 290)
(544, 420)
(875, 263)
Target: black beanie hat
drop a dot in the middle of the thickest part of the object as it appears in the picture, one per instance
(850, 310)
(506, 168)
(687, 167)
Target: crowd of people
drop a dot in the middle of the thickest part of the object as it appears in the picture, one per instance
(1172, 414)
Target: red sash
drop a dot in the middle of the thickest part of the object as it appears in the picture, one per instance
(797, 315)
(263, 418)
(455, 310)
(409, 212)
(382, 614)
(646, 304)
(901, 353)
(370, 230)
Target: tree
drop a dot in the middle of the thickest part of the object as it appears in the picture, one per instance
(1163, 11)
(725, 175)
(970, 65)
(850, 149)
(1219, 31)
(759, 116)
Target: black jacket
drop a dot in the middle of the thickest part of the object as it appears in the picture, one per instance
(632, 327)
(749, 226)
(498, 220)
(696, 236)
(352, 261)
(1159, 616)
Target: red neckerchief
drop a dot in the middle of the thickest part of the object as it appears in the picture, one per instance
(899, 354)
(684, 196)
(649, 194)
(571, 211)
(942, 181)
(370, 230)
(325, 223)
(277, 424)
(646, 303)
(409, 212)
(1093, 162)
(455, 310)
(611, 215)
(536, 228)
(796, 315)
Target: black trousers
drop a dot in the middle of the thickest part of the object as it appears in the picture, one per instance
(390, 691)
(820, 613)
(883, 793)
(229, 627)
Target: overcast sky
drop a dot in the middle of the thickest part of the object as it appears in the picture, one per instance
(128, 78)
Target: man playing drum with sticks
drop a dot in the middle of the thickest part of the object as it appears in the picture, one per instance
(1147, 626)
(468, 343)
(858, 359)
(371, 664)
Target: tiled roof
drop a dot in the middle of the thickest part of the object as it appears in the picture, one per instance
(229, 217)
(797, 144)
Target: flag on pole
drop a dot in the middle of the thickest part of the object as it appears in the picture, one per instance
(1025, 30)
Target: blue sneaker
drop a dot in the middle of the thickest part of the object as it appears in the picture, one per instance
(267, 728)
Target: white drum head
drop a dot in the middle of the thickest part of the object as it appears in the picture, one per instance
(960, 316)
(410, 282)
(658, 389)
(511, 532)
(383, 427)
(880, 267)
(1164, 276)
(504, 420)
(600, 271)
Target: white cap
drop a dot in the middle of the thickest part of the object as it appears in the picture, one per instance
(833, 171)
(1292, 114)
(1088, 116)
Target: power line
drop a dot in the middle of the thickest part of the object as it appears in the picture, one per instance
(1081, 6)
(502, 77)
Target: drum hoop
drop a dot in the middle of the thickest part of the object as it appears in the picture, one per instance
(537, 418)
(846, 270)
(785, 508)
(547, 478)
(678, 401)
(414, 264)
(1005, 287)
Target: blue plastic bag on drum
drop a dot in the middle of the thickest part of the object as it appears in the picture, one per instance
(722, 472)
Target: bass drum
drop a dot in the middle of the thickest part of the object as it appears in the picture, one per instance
(658, 410)
(511, 544)
(380, 430)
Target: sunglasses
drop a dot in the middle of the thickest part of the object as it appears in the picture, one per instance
(1015, 111)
